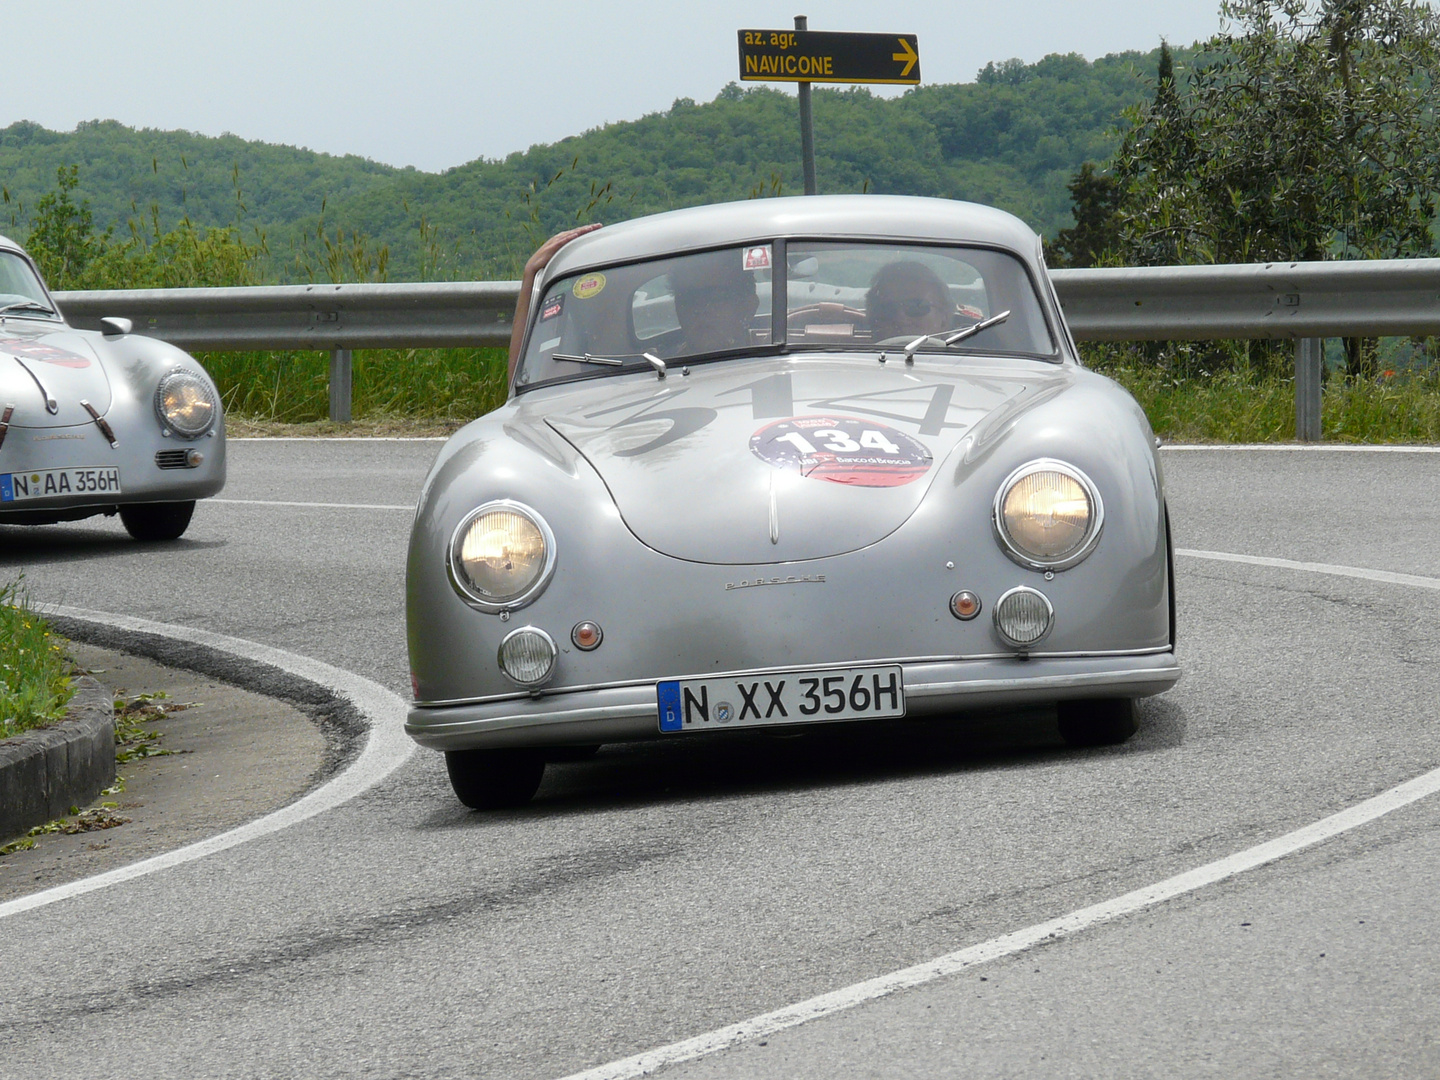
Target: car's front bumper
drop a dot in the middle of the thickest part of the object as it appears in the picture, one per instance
(629, 712)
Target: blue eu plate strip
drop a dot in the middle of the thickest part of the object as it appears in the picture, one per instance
(7, 489)
(667, 696)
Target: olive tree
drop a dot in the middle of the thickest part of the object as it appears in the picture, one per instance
(1306, 130)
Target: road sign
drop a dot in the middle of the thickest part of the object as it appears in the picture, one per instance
(807, 56)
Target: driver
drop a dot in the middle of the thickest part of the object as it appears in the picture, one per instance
(908, 299)
(715, 302)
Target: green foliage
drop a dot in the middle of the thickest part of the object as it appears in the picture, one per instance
(34, 673)
(1095, 199)
(1306, 132)
(1242, 406)
(62, 238)
(430, 384)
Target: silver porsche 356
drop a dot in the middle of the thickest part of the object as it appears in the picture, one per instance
(98, 422)
(785, 462)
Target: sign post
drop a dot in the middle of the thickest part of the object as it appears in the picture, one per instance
(804, 56)
(807, 125)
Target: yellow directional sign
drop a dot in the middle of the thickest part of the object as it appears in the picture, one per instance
(819, 56)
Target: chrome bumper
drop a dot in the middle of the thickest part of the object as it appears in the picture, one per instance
(626, 713)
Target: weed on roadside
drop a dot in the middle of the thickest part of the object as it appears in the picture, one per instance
(35, 686)
(132, 740)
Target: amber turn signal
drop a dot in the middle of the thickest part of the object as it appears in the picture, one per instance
(586, 635)
(965, 605)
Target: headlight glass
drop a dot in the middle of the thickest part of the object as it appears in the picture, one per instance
(501, 555)
(186, 404)
(1048, 515)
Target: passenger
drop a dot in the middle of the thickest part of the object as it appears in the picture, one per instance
(536, 263)
(908, 299)
(715, 302)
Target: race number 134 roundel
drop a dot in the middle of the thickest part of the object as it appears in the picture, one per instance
(842, 449)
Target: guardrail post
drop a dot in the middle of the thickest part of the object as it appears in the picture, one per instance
(340, 385)
(1309, 362)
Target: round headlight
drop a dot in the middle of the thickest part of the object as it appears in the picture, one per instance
(501, 556)
(186, 404)
(1048, 515)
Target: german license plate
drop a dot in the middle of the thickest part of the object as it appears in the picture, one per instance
(45, 483)
(785, 697)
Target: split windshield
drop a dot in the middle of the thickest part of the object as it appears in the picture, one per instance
(839, 296)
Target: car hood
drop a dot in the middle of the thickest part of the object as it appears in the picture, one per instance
(61, 361)
(783, 460)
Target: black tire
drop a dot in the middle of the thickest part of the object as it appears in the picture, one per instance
(1101, 722)
(494, 779)
(572, 753)
(157, 521)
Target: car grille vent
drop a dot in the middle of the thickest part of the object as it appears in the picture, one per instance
(171, 459)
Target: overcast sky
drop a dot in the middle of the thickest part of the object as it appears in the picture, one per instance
(437, 83)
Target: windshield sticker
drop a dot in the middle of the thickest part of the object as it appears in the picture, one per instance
(588, 286)
(552, 307)
(757, 258)
(34, 350)
(842, 450)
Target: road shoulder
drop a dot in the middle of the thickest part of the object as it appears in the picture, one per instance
(226, 758)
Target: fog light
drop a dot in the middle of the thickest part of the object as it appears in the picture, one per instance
(1023, 616)
(527, 655)
(965, 605)
(587, 635)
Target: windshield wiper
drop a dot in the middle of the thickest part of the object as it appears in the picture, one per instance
(27, 305)
(971, 331)
(586, 358)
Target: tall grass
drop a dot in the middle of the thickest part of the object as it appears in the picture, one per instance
(452, 385)
(34, 673)
(1238, 406)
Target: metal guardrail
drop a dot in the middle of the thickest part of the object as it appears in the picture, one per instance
(1300, 301)
(1377, 298)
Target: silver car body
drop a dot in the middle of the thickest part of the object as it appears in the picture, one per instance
(104, 420)
(698, 559)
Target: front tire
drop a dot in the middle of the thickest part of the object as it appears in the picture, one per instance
(1102, 722)
(494, 779)
(157, 521)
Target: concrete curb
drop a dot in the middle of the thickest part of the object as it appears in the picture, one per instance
(43, 773)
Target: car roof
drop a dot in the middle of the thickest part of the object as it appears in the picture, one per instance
(6, 242)
(902, 217)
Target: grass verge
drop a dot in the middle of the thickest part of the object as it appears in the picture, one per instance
(35, 687)
(444, 388)
(1240, 407)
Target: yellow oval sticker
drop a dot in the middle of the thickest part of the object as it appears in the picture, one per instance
(588, 286)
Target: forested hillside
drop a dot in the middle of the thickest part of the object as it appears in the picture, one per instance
(1014, 138)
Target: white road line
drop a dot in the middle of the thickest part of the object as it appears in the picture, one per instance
(313, 505)
(1309, 448)
(337, 438)
(1386, 576)
(386, 749)
(1020, 940)
(1065, 925)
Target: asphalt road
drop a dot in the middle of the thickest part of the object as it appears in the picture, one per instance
(658, 893)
